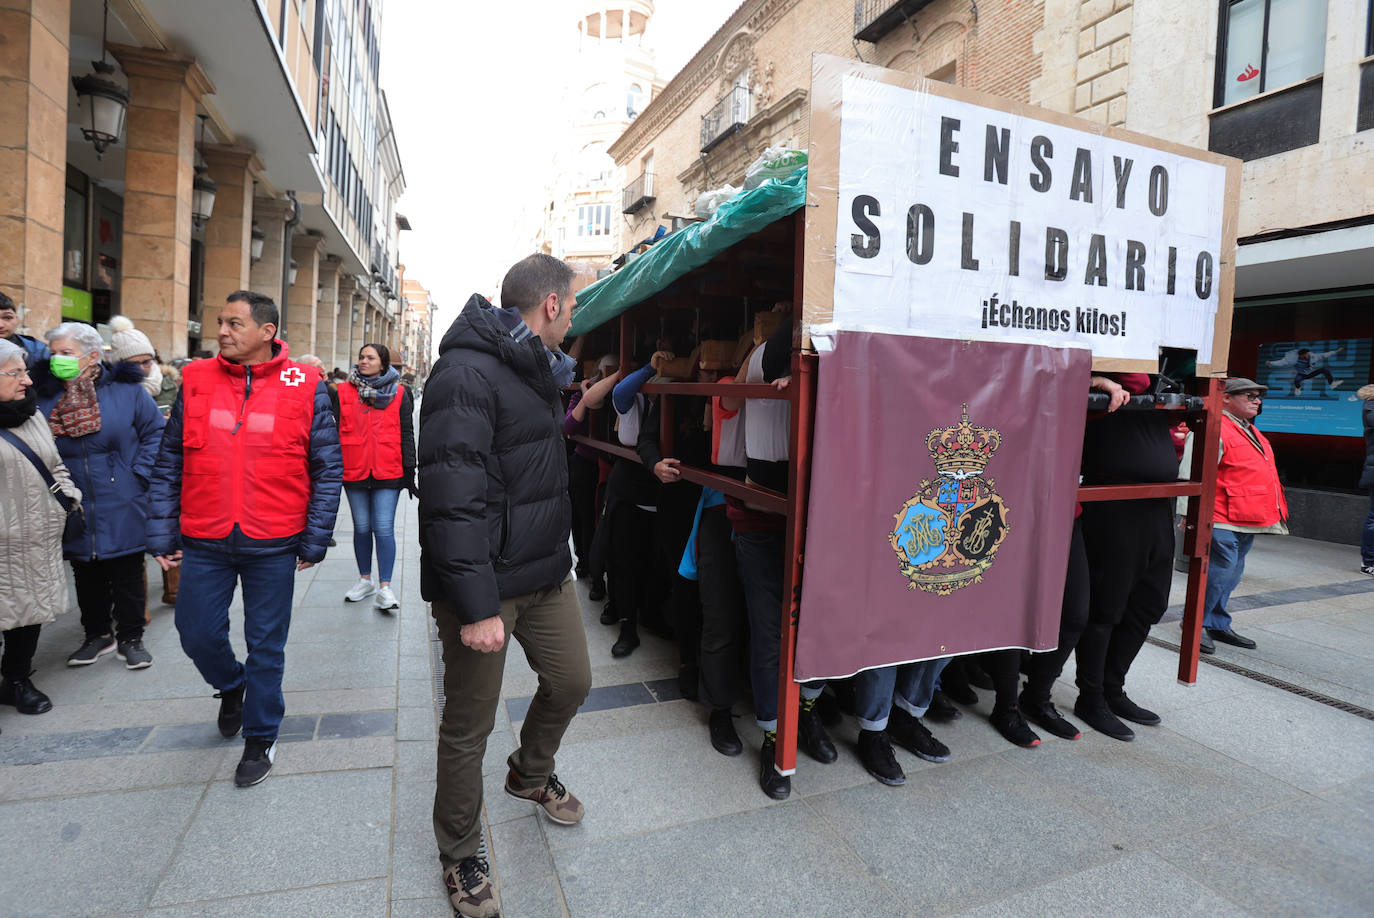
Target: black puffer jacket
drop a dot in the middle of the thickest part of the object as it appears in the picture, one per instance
(494, 510)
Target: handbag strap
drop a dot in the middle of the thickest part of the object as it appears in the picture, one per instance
(65, 502)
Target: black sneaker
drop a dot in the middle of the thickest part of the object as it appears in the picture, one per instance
(1013, 728)
(24, 695)
(627, 642)
(598, 591)
(1046, 716)
(256, 763)
(134, 655)
(912, 735)
(942, 710)
(812, 736)
(777, 786)
(1127, 709)
(875, 752)
(230, 711)
(470, 889)
(1095, 713)
(94, 648)
(723, 736)
(608, 615)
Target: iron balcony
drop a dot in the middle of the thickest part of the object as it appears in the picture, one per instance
(729, 114)
(875, 18)
(638, 194)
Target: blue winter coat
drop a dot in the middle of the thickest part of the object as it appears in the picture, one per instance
(111, 466)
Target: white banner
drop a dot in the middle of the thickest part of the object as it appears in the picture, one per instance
(961, 221)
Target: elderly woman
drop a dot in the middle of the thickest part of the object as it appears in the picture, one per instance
(33, 586)
(108, 429)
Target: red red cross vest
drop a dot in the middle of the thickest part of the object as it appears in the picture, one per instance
(370, 437)
(245, 447)
(1248, 489)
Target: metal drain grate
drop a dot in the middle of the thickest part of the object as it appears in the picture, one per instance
(1289, 687)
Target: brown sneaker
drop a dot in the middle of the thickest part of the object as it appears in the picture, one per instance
(470, 889)
(559, 805)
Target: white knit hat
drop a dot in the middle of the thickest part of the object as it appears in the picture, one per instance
(127, 341)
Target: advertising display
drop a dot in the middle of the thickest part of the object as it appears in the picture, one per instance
(1312, 385)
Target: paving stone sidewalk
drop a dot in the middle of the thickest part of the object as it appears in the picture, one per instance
(1248, 800)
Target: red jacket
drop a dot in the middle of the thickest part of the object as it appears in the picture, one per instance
(1248, 489)
(370, 437)
(245, 447)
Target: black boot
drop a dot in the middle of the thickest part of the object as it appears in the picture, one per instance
(777, 786)
(627, 642)
(24, 696)
(812, 736)
(723, 736)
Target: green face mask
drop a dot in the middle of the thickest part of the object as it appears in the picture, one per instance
(65, 367)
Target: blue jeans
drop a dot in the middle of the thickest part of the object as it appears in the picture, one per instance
(202, 620)
(1223, 575)
(759, 556)
(1367, 537)
(374, 514)
(910, 686)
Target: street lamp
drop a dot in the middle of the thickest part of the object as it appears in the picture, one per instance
(255, 246)
(203, 188)
(291, 273)
(106, 100)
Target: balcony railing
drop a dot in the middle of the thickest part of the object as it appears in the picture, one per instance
(875, 18)
(638, 194)
(727, 115)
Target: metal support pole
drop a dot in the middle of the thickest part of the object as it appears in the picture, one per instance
(1197, 543)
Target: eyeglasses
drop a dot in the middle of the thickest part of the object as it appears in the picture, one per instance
(1251, 396)
(143, 364)
(14, 374)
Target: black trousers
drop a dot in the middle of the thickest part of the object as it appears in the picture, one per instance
(1130, 547)
(1043, 668)
(636, 588)
(582, 474)
(20, 646)
(112, 589)
(724, 620)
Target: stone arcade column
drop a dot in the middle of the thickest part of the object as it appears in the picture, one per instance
(307, 250)
(228, 233)
(265, 277)
(33, 157)
(155, 282)
(327, 311)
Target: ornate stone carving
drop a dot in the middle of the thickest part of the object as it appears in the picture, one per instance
(762, 84)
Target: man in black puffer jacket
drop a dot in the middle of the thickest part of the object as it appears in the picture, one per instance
(494, 525)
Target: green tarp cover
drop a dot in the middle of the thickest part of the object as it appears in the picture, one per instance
(691, 247)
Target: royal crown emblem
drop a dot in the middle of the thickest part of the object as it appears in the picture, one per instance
(948, 534)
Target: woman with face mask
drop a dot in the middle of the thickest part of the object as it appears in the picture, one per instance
(108, 429)
(377, 435)
(33, 586)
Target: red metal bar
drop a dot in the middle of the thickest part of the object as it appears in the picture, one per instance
(1197, 542)
(771, 501)
(737, 390)
(1138, 491)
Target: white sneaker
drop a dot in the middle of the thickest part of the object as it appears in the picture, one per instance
(361, 590)
(1336, 384)
(386, 600)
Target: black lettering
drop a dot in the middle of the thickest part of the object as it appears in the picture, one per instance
(1018, 315)
(996, 153)
(1116, 325)
(1159, 190)
(1096, 272)
(985, 313)
(1173, 269)
(1082, 321)
(1081, 186)
(1202, 280)
(966, 259)
(867, 245)
(920, 234)
(948, 146)
(1040, 149)
(1005, 317)
(1123, 322)
(1064, 319)
(1014, 249)
(1123, 175)
(1056, 253)
(1135, 265)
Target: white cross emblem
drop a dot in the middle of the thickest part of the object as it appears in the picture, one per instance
(292, 376)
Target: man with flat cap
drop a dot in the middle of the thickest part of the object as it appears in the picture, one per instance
(1249, 500)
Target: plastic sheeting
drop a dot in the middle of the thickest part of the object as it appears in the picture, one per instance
(673, 256)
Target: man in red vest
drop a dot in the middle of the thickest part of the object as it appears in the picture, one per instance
(1249, 500)
(246, 487)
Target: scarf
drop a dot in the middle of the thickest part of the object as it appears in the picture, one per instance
(14, 413)
(152, 383)
(376, 391)
(563, 367)
(77, 412)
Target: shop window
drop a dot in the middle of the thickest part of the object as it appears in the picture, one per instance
(1364, 117)
(75, 236)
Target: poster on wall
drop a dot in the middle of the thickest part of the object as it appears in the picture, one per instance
(1312, 385)
(945, 212)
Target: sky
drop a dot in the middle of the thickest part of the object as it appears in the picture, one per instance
(477, 94)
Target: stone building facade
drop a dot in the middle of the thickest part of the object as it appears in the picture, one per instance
(273, 104)
(1285, 85)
